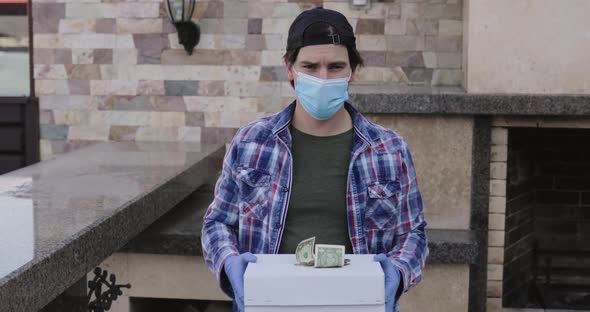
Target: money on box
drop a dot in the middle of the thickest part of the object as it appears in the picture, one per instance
(321, 255)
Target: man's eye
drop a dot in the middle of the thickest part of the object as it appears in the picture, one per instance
(309, 66)
(336, 67)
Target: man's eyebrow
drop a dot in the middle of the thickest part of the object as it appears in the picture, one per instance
(316, 63)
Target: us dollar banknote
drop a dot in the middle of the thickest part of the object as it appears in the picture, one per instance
(328, 256)
(304, 252)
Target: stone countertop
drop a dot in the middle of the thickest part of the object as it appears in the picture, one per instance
(179, 233)
(61, 217)
(385, 99)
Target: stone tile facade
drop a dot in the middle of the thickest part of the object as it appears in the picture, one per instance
(114, 70)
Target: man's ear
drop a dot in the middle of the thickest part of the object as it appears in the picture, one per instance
(290, 75)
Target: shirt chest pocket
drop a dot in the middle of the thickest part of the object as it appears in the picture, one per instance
(382, 206)
(254, 192)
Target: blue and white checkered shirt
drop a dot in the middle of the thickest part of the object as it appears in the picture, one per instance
(384, 205)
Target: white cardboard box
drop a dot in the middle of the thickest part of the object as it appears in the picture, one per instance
(275, 284)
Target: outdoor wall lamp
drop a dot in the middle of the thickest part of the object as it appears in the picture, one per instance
(359, 4)
(180, 13)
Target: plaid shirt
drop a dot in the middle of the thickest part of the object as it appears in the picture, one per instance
(252, 195)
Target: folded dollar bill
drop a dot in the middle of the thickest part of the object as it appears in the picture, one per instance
(304, 252)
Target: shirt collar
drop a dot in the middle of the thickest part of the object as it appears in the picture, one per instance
(362, 127)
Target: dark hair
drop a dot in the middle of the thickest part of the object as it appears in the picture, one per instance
(323, 29)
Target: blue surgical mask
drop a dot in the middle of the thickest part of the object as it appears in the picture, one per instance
(321, 98)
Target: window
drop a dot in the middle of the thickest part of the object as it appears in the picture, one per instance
(14, 48)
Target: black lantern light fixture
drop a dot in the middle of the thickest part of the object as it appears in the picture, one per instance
(180, 13)
(360, 4)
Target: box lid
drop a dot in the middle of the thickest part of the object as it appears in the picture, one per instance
(276, 280)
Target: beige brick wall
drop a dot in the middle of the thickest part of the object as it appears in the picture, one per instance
(113, 70)
(497, 217)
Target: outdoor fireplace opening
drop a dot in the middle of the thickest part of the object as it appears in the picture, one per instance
(547, 239)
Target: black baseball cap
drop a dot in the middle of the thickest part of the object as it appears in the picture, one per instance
(343, 32)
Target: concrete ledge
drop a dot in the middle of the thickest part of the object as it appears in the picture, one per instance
(451, 246)
(472, 104)
(84, 205)
(179, 233)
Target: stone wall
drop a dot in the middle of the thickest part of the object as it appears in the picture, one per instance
(445, 288)
(113, 70)
(527, 46)
(444, 170)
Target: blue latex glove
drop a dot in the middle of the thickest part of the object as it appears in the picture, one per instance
(392, 280)
(235, 267)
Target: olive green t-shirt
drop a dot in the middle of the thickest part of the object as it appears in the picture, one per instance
(317, 206)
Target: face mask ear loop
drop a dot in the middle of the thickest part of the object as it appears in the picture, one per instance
(296, 72)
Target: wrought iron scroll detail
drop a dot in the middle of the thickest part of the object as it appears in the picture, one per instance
(103, 300)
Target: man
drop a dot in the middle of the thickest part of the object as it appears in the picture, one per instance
(341, 177)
